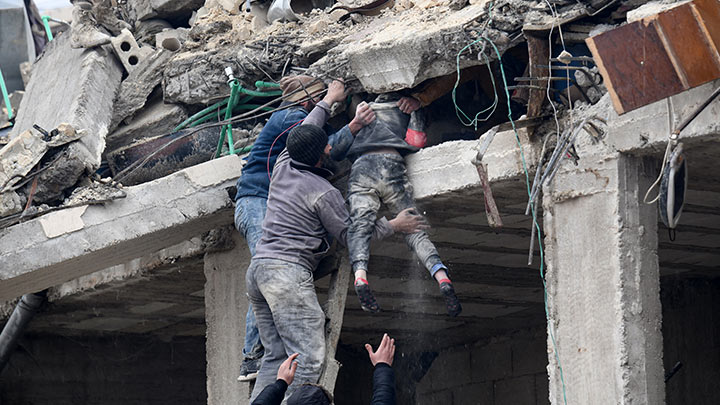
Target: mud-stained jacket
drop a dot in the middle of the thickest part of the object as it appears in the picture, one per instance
(387, 131)
(303, 211)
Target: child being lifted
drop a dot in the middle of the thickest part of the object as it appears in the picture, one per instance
(378, 176)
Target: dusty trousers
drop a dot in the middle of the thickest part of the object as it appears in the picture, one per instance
(289, 319)
(376, 179)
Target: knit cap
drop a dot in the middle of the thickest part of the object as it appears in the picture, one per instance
(306, 144)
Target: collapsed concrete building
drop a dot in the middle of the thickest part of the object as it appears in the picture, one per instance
(140, 287)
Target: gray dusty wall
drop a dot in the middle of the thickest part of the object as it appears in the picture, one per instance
(508, 369)
(113, 369)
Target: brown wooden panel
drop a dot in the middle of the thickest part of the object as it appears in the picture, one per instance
(635, 65)
(696, 60)
(709, 11)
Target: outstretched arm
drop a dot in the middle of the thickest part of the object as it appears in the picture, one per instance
(383, 376)
(274, 393)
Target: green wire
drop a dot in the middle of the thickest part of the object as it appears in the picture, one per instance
(5, 96)
(535, 222)
(46, 22)
(473, 122)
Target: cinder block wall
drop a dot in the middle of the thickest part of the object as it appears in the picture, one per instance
(110, 369)
(505, 370)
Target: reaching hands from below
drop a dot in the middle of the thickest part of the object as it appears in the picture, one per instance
(385, 352)
(287, 369)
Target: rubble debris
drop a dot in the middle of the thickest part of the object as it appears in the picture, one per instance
(136, 88)
(677, 49)
(171, 39)
(25, 72)
(146, 30)
(85, 82)
(139, 10)
(162, 155)
(85, 32)
(153, 119)
(23, 153)
(129, 52)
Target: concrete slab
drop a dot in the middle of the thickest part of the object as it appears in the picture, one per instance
(153, 216)
(84, 83)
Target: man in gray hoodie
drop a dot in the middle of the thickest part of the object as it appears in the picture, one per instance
(304, 211)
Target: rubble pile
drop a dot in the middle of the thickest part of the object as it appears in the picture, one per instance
(129, 73)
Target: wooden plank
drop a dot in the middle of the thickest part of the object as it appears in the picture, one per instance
(708, 12)
(694, 59)
(538, 51)
(660, 55)
(334, 311)
(635, 66)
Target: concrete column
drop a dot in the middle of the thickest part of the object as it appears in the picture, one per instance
(603, 283)
(226, 304)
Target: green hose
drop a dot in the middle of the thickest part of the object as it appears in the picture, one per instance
(256, 93)
(46, 23)
(222, 111)
(245, 149)
(208, 113)
(266, 85)
(226, 131)
(6, 97)
(211, 109)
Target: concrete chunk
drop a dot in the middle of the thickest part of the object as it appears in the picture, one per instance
(406, 53)
(136, 88)
(155, 119)
(84, 84)
(153, 216)
(128, 51)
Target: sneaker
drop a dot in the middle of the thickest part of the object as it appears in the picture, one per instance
(249, 369)
(451, 300)
(366, 297)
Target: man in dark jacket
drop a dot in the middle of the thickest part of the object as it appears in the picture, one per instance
(253, 184)
(383, 381)
(383, 376)
(303, 211)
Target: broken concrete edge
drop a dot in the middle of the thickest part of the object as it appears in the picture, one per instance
(646, 130)
(448, 167)
(154, 216)
(127, 272)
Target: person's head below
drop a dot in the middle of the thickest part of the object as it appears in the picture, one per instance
(304, 89)
(310, 394)
(308, 144)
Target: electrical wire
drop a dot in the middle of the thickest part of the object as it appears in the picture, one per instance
(458, 111)
(235, 119)
(533, 210)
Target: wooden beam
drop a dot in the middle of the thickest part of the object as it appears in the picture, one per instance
(334, 311)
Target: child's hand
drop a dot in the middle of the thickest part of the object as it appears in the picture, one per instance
(408, 221)
(335, 93)
(408, 105)
(364, 115)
